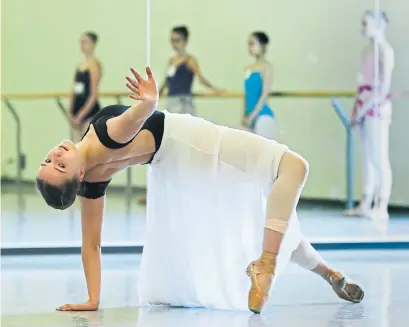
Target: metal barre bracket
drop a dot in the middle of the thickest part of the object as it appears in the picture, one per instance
(20, 158)
(349, 152)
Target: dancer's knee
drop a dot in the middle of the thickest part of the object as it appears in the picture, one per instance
(294, 167)
(286, 190)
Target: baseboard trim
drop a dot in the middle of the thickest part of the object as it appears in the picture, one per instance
(138, 249)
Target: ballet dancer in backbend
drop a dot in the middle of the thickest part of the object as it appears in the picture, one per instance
(258, 116)
(217, 198)
(372, 113)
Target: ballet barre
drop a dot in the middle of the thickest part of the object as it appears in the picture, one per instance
(227, 95)
(349, 155)
(58, 96)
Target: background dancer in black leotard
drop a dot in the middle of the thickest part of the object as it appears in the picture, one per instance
(84, 100)
(180, 73)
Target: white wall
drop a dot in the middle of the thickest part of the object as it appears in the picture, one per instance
(315, 45)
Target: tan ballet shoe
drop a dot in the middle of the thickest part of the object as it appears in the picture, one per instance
(261, 273)
(356, 212)
(346, 290)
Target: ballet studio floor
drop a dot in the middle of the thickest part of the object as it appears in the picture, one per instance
(32, 285)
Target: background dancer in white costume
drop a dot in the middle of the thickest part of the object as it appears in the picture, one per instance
(206, 183)
(372, 113)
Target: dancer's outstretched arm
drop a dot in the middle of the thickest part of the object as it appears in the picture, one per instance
(124, 127)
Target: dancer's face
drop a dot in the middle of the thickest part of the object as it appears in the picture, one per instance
(254, 46)
(178, 42)
(87, 45)
(61, 164)
(369, 28)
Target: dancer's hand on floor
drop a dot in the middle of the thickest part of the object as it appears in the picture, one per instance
(87, 306)
(143, 90)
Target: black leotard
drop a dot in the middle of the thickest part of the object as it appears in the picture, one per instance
(82, 93)
(180, 84)
(154, 124)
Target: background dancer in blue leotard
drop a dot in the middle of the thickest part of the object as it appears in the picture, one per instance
(258, 116)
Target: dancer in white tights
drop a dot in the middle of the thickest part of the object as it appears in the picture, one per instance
(372, 114)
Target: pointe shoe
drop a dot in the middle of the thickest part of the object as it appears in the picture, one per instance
(346, 290)
(261, 273)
